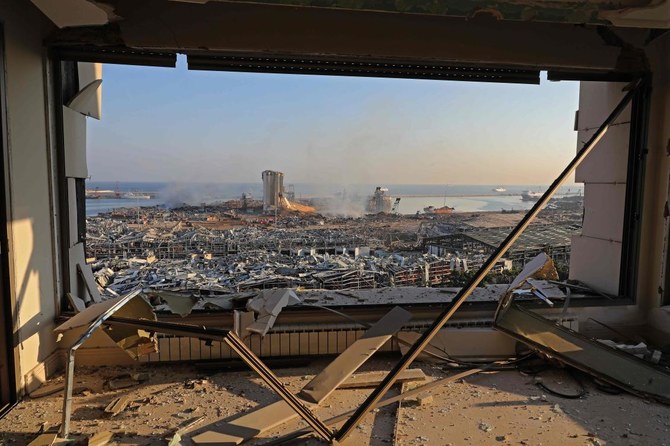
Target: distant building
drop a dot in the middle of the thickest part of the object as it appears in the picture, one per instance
(380, 201)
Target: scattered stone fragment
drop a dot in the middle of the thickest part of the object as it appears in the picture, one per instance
(425, 399)
(485, 426)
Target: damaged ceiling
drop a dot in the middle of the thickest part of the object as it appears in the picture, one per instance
(637, 13)
(253, 35)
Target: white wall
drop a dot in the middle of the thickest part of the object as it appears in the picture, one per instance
(31, 238)
(596, 254)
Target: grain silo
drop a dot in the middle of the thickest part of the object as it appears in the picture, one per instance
(273, 188)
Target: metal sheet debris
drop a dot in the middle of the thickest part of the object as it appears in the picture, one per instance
(267, 305)
(319, 388)
(608, 364)
(134, 342)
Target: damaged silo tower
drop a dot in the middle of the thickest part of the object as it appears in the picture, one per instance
(273, 188)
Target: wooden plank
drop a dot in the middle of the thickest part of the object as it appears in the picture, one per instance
(303, 343)
(44, 440)
(332, 343)
(284, 344)
(342, 343)
(313, 343)
(322, 343)
(352, 358)
(264, 418)
(247, 426)
(294, 344)
(118, 405)
(50, 389)
(175, 354)
(47, 389)
(100, 438)
(371, 379)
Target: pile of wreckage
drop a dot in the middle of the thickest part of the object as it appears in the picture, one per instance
(264, 270)
(109, 238)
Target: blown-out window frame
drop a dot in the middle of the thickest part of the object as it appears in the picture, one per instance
(62, 58)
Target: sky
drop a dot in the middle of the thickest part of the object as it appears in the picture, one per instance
(176, 125)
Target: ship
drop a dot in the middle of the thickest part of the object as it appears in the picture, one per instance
(434, 210)
(500, 189)
(529, 195)
(136, 196)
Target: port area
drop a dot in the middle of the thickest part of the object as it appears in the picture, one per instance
(234, 247)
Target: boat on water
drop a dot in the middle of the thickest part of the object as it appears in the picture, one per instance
(500, 189)
(529, 195)
(136, 196)
(434, 210)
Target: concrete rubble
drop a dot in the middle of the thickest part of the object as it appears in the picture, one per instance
(263, 270)
(215, 264)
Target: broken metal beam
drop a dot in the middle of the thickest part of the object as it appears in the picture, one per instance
(608, 364)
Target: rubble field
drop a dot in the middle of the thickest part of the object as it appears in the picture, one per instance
(218, 251)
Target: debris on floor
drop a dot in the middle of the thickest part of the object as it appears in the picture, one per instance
(604, 362)
(500, 398)
(320, 387)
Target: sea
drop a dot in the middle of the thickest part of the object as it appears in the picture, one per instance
(414, 197)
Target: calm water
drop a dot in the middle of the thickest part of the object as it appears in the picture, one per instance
(464, 198)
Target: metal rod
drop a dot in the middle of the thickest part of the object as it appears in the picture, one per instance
(465, 292)
(69, 369)
(241, 349)
(236, 344)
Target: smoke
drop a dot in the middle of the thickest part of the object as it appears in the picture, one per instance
(179, 194)
(342, 205)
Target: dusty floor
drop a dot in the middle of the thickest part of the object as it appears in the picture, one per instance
(495, 408)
